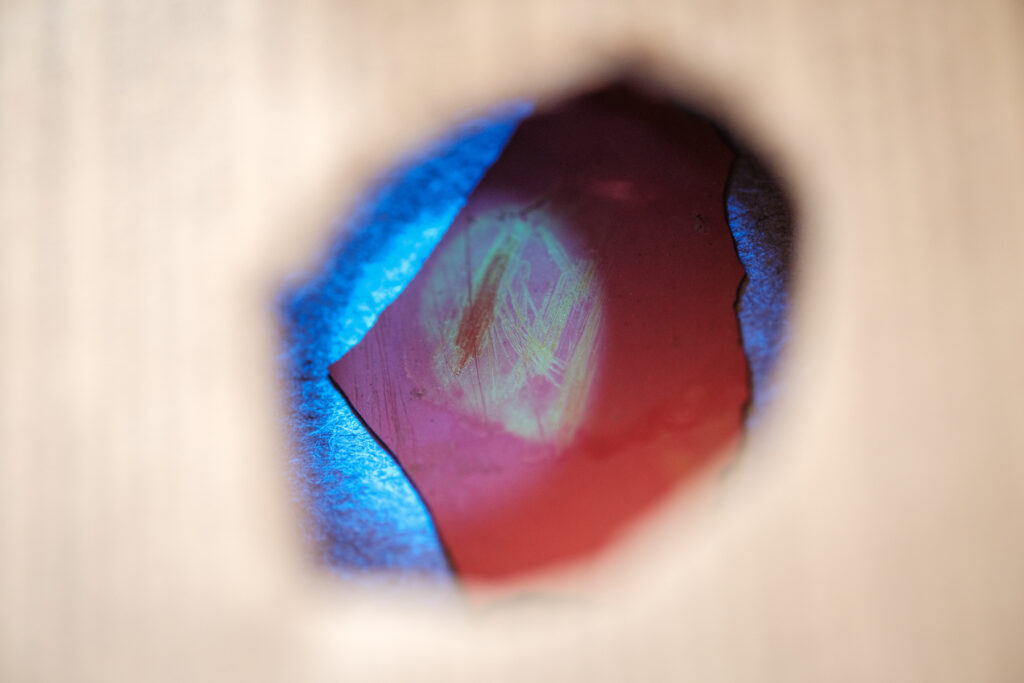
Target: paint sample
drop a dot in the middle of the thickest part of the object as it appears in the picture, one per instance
(569, 353)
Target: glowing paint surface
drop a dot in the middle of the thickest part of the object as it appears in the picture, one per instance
(363, 512)
(570, 352)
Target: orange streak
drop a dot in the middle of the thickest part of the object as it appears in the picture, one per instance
(479, 313)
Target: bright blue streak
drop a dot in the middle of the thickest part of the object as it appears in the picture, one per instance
(365, 515)
(763, 247)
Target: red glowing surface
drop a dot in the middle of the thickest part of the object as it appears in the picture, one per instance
(569, 353)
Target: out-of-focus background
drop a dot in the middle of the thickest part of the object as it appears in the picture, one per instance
(164, 167)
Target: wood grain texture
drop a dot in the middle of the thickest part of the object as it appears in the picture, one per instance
(164, 165)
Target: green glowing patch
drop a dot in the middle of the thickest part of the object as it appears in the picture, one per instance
(513, 314)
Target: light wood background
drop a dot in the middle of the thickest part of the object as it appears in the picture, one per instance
(164, 165)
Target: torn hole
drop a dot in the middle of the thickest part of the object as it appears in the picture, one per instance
(541, 318)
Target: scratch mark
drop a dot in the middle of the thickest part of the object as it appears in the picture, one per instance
(478, 316)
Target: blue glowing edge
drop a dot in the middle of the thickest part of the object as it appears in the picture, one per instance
(364, 513)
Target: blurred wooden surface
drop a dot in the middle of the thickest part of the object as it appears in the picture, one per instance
(164, 165)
